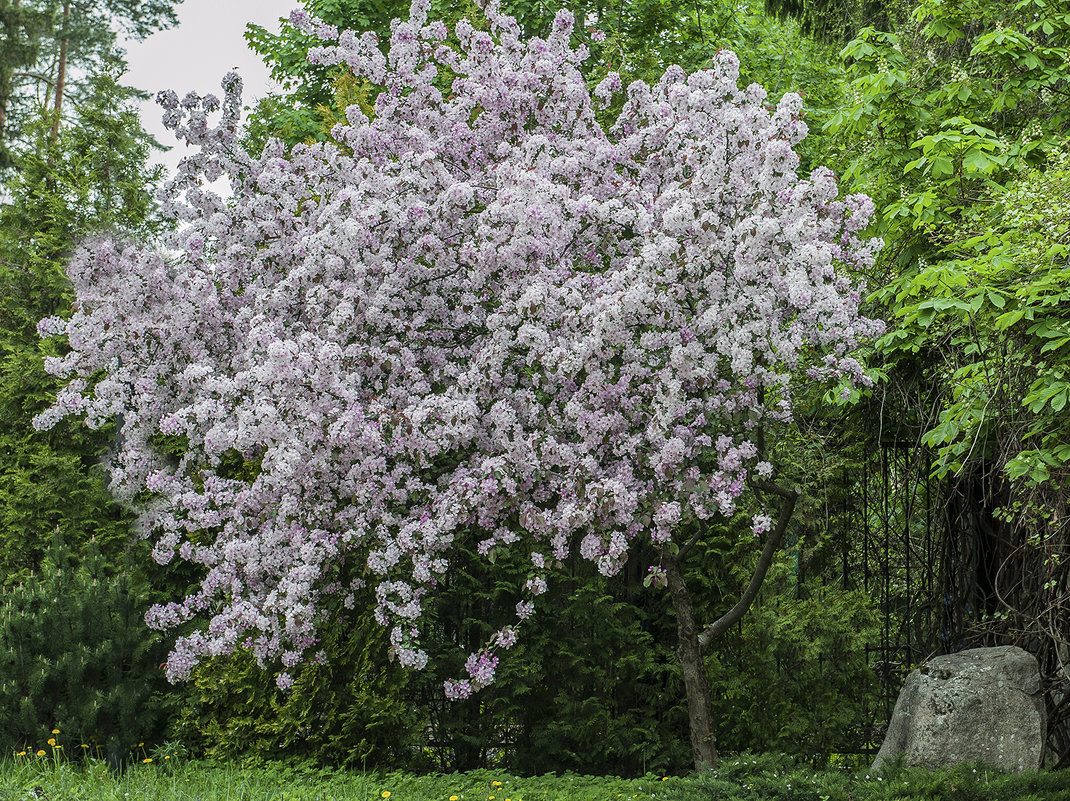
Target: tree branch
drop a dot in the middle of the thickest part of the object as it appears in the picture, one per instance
(772, 545)
(35, 75)
(687, 546)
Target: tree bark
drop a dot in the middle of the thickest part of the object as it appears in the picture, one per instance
(772, 545)
(692, 669)
(61, 72)
(7, 73)
(691, 643)
(6, 80)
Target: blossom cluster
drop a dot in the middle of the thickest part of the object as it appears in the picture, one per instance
(476, 316)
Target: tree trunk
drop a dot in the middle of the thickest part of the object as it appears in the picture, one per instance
(765, 559)
(61, 71)
(693, 670)
(6, 80)
(7, 73)
(691, 642)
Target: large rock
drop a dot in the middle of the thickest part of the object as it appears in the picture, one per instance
(978, 705)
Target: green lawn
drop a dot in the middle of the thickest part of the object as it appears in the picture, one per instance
(761, 778)
(57, 780)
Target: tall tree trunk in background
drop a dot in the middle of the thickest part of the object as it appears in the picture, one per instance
(691, 643)
(6, 79)
(7, 69)
(11, 60)
(61, 72)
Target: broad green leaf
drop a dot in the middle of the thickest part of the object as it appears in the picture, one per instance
(1005, 321)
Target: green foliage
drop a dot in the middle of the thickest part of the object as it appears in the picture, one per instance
(586, 687)
(75, 655)
(968, 110)
(591, 684)
(832, 20)
(996, 301)
(947, 108)
(347, 711)
(794, 677)
(747, 777)
(956, 128)
(770, 777)
(22, 28)
(38, 36)
(92, 178)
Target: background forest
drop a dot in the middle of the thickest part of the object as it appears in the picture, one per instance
(952, 116)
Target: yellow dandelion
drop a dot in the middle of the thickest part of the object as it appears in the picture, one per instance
(453, 798)
(41, 752)
(22, 753)
(57, 747)
(146, 760)
(490, 798)
(167, 757)
(55, 731)
(141, 745)
(385, 794)
(496, 784)
(664, 778)
(51, 740)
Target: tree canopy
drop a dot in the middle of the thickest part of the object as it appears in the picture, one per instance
(475, 317)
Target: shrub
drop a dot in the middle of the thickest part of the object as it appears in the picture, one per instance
(75, 655)
(347, 710)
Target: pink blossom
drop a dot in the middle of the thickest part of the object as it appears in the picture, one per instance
(464, 312)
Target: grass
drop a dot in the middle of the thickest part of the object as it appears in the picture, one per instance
(750, 778)
(29, 777)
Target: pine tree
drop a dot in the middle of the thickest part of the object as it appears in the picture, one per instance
(93, 178)
(76, 656)
(51, 51)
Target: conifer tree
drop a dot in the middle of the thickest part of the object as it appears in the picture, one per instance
(52, 49)
(75, 656)
(93, 178)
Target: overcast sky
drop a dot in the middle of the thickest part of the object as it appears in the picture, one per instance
(195, 56)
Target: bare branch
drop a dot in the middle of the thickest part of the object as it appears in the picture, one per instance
(772, 545)
(37, 76)
(687, 546)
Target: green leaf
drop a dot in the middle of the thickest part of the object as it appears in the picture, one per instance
(1005, 321)
(942, 166)
(1055, 344)
(925, 316)
(1039, 474)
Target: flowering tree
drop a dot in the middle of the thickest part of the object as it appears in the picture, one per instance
(477, 316)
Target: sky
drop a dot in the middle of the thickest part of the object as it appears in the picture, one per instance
(195, 56)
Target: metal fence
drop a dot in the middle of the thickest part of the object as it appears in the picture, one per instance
(897, 546)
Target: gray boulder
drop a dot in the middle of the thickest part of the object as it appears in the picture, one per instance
(981, 705)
